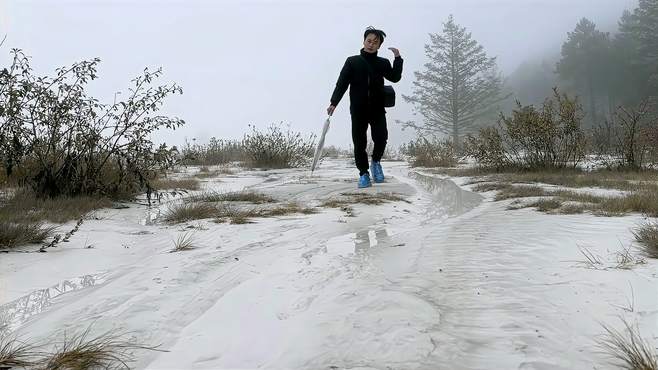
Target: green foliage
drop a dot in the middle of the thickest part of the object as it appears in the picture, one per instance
(531, 138)
(69, 143)
(487, 148)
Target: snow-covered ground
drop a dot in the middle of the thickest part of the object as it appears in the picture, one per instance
(451, 280)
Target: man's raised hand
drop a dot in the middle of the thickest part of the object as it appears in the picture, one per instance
(396, 52)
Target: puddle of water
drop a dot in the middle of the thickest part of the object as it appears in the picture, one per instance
(17, 312)
(449, 199)
(360, 243)
(153, 213)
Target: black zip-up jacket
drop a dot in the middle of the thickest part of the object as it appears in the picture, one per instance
(366, 84)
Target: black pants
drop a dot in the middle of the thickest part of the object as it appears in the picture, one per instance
(378, 132)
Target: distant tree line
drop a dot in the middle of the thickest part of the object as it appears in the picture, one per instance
(608, 71)
(608, 84)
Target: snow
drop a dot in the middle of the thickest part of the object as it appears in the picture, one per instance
(450, 280)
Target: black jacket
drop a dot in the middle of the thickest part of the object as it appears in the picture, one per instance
(366, 84)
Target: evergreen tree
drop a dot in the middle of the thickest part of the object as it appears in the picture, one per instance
(586, 63)
(459, 85)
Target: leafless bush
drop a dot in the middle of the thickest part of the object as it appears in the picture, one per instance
(162, 183)
(630, 138)
(332, 151)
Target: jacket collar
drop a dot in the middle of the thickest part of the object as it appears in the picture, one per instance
(368, 55)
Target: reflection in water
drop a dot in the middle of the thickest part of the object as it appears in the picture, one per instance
(359, 244)
(366, 239)
(449, 199)
(14, 314)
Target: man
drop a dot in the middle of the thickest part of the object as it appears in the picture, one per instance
(364, 74)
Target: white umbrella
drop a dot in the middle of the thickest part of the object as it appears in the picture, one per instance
(318, 150)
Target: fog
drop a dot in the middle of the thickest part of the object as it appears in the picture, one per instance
(263, 62)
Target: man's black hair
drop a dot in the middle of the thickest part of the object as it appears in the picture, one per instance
(379, 33)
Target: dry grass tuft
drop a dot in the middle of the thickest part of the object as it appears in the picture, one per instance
(629, 349)
(184, 242)
(490, 186)
(642, 201)
(287, 209)
(373, 198)
(16, 234)
(25, 207)
(205, 172)
(626, 260)
(546, 205)
(237, 196)
(521, 191)
(645, 202)
(242, 215)
(576, 178)
(347, 199)
(14, 353)
(183, 212)
(572, 209)
(80, 352)
(647, 236)
(183, 184)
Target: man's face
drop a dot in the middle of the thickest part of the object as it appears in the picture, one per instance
(371, 43)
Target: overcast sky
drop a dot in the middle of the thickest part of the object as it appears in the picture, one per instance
(260, 62)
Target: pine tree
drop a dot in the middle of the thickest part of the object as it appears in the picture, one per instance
(459, 85)
(586, 63)
(646, 33)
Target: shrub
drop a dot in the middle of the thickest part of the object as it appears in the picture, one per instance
(434, 153)
(276, 148)
(487, 148)
(216, 151)
(16, 234)
(548, 138)
(23, 206)
(630, 139)
(68, 143)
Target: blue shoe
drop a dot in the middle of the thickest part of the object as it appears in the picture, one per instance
(377, 171)
(364, 181)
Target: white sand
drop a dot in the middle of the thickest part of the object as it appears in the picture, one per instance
(450, 281)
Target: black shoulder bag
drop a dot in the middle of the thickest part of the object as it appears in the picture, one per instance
(389, 93)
